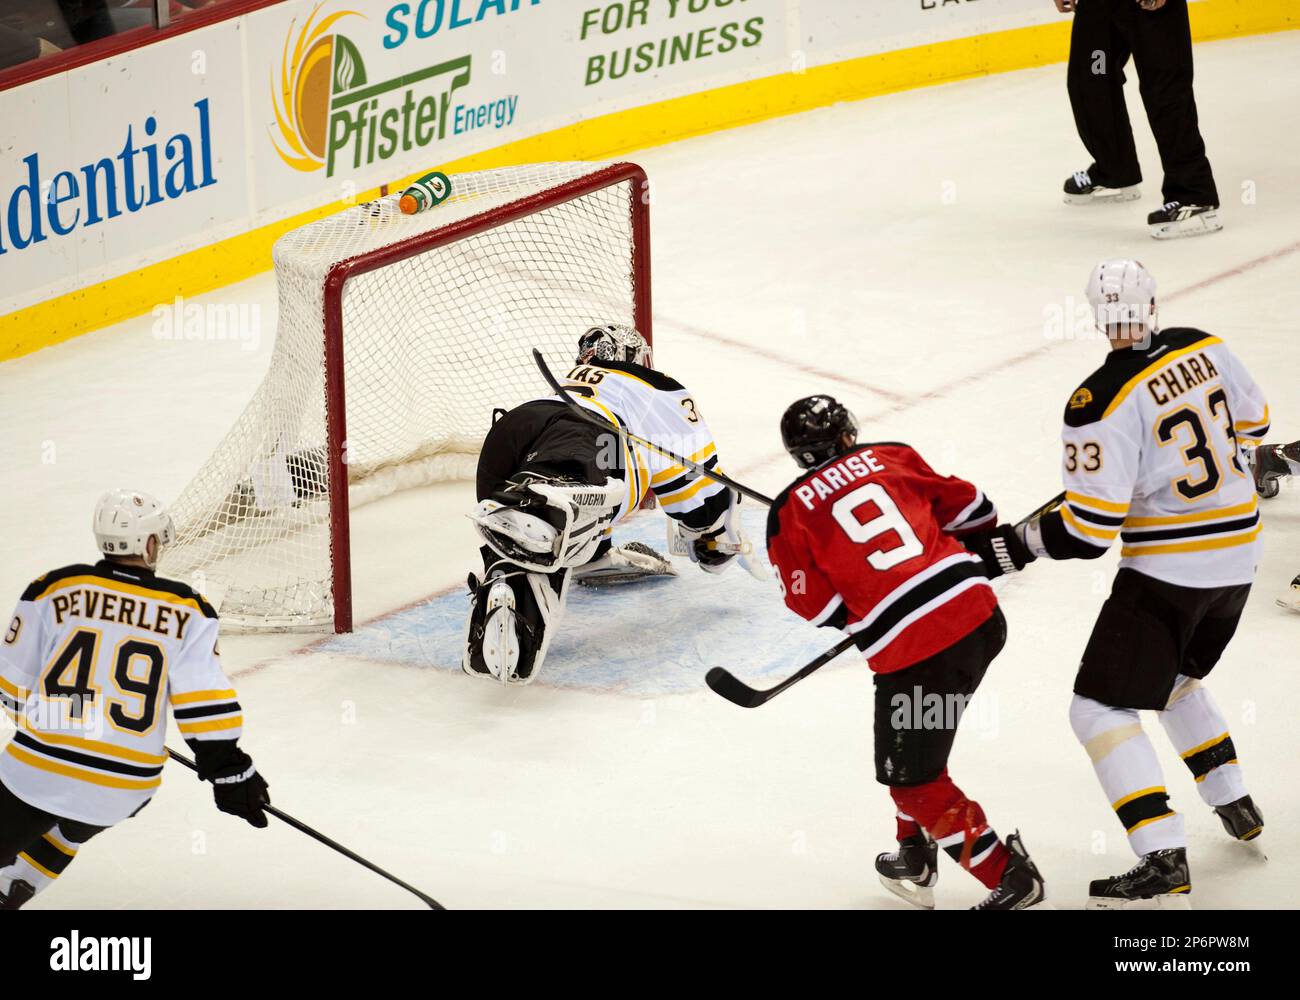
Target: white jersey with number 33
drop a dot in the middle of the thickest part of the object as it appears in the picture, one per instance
(1153, 454)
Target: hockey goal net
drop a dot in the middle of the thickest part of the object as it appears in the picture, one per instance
(397, 337)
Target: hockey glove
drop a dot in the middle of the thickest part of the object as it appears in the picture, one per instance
(1001, 549)
(712, 552)
(236, 786)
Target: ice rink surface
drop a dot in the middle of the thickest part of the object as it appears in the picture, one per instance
(907, 254)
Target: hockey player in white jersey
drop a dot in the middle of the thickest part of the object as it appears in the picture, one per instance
(551, 486)
(1152, 454)
(89, 664)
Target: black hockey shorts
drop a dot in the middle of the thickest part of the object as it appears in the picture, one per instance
(546, 437)
(1149, 632)
(22, 825)
(919, 707)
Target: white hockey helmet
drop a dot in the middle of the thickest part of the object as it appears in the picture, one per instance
(613, 342)
(125, 520)
(1122, 292)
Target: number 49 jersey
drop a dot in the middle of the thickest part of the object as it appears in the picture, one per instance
(1152, 454)
(868, 542)
(88, 666)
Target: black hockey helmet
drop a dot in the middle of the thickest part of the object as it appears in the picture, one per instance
(813, 429)
(613, 342)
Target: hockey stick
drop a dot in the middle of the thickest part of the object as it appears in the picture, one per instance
(681, 460)
(736, 691)
(301, 827)
(1046, 508)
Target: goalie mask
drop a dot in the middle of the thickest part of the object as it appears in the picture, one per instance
(613, 342)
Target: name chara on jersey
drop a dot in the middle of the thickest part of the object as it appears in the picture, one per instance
(1183, 377)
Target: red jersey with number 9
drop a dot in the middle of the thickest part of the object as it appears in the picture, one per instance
(866, 542)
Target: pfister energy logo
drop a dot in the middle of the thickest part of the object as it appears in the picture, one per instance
(330, 113)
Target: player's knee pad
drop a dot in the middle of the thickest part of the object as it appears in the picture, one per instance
(1100, 727)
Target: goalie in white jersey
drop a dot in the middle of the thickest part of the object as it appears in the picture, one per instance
(89, 664)
(1154, 455)
(551, 486)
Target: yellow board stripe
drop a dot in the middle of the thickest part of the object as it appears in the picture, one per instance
(212, 725)
(117, 585)
(1156, 366)
(1203, 546)
(603, 136)
(1200, 515)
(96, 746)
(190, 697)
(92, 777)
(1113, 506)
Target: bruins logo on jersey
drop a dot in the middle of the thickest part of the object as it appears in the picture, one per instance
(1081, 398)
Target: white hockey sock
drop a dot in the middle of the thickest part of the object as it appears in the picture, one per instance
(1199, 733)
(1126, 765)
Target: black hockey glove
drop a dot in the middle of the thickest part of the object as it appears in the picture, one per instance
(711, 560)
(1000, 549)
(236, 786)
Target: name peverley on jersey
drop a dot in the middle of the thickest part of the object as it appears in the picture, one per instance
(651, 405)
(1153, 455)
(88, 666)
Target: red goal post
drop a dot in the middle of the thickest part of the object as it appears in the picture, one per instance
(341, 273)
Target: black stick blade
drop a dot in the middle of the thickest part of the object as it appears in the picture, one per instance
(733, 689)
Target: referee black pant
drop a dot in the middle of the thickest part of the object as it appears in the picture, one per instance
(1106, 34)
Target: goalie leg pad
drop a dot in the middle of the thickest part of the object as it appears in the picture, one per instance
(543, 525)
(512, 614)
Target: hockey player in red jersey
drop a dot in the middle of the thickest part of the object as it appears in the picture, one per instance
(867, 541)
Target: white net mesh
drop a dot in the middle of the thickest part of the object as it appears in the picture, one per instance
(431, 344)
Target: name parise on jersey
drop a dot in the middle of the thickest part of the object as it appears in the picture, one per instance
(867, 542)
